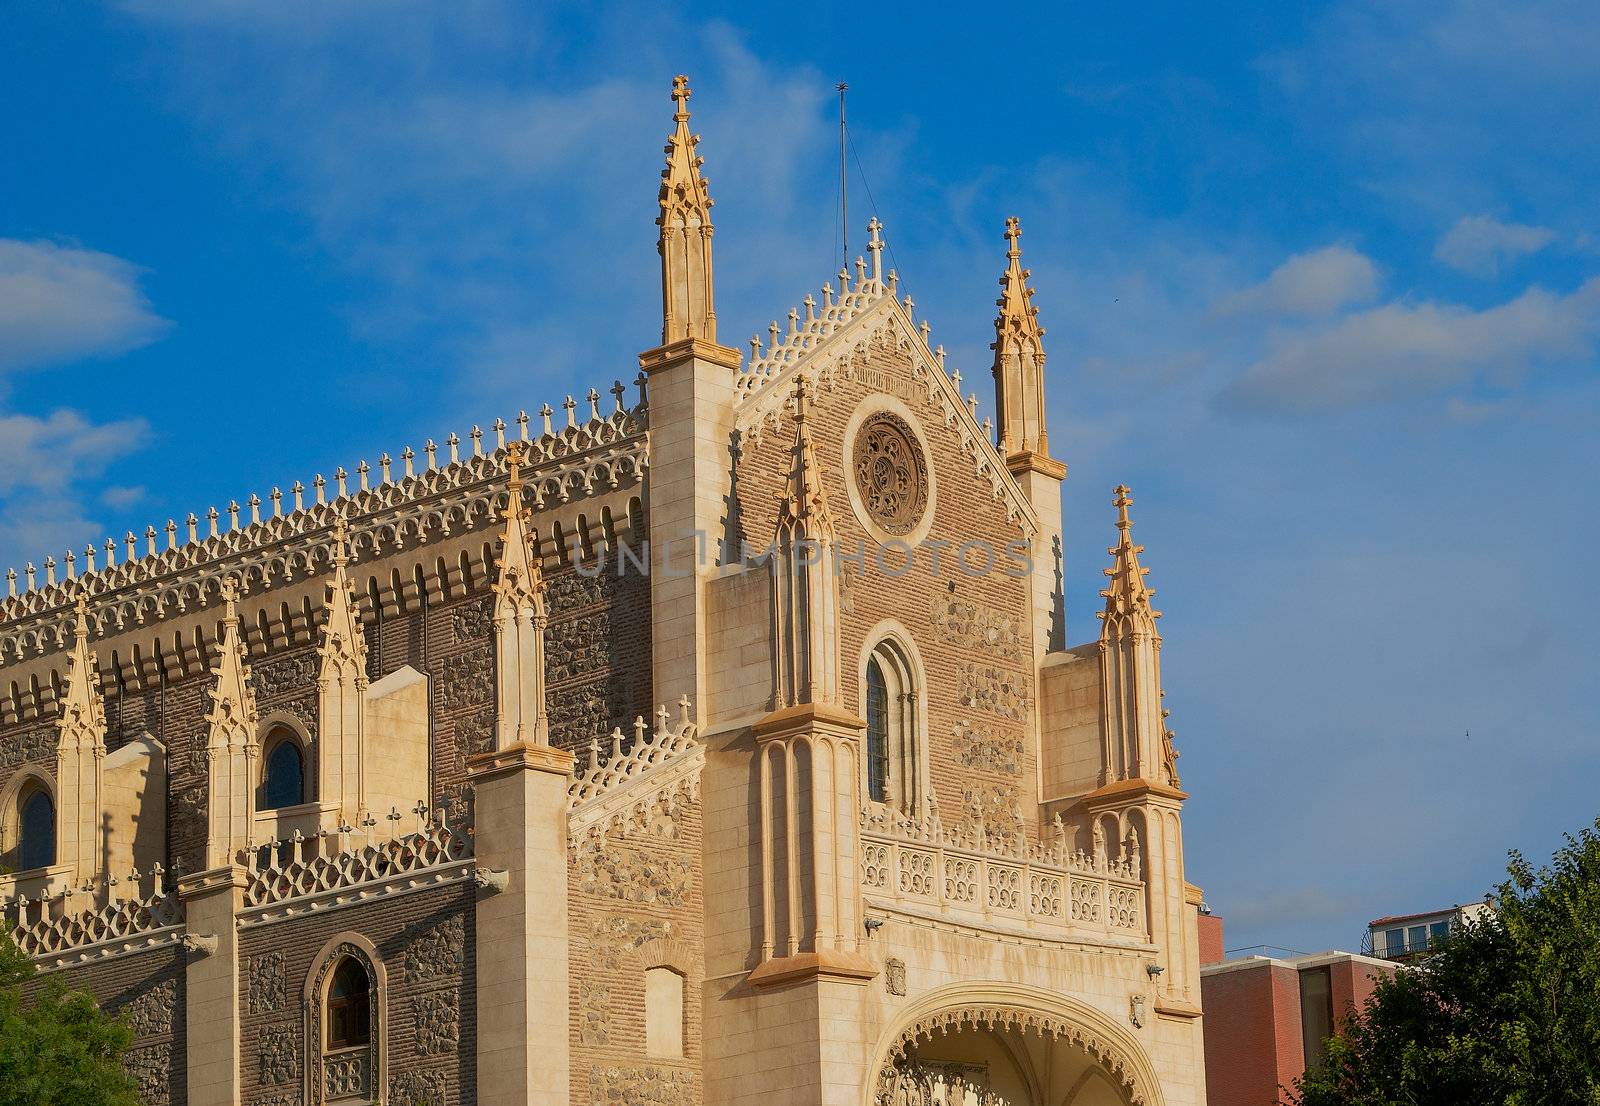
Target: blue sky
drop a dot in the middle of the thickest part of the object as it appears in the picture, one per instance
(1322, 283)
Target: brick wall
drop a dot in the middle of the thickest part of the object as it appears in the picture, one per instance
(972, 632)
(425, 941)
(148, 990)
(638, 898)
(1252, 1030)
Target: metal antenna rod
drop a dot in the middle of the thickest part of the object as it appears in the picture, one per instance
(844, 207)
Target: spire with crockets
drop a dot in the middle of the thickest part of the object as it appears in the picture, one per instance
(685, 222)
(1018, 358)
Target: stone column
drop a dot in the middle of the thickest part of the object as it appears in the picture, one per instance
(520, 809)
(211, 901)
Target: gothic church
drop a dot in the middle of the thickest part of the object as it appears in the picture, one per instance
(710, 740)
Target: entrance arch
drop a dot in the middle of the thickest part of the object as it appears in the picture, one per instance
(1003, 1044)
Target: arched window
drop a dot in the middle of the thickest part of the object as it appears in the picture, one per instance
(877, 733)
(349, 1018)
(893, 753)
(36, 828)
(345, 996)
(283, 781)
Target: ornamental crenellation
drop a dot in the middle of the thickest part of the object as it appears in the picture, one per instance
(712, 741)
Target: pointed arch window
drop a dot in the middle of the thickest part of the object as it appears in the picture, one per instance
(893, 743)
(36, 828)
(283, 777)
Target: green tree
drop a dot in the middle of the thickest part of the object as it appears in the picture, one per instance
(59, 1048)
(1507, 1012)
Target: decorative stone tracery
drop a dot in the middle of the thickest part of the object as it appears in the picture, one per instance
(891, 473)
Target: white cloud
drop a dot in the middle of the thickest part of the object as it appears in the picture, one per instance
(1478, 244)
(43, 501)
(1399, 349)
(58, 303)
(1316, 283)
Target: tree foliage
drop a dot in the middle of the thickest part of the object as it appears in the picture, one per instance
(1507, 1011)
(57, 1048)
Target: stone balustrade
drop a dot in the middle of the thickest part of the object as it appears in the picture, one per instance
(983, 878)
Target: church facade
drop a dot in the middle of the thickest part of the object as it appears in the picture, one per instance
(711, 740)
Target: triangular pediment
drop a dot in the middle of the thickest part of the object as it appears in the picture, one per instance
(831, 346)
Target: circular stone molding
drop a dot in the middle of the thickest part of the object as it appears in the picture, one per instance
(891, 482)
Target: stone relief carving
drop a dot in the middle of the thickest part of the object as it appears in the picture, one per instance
(417, 1088)
(594, 1014)
(283, 674)
(981, 748)
(996, 690)
(438, 1022)
(266, 986)
(641, 1087)
(891, 473)
(575, 647)
(612, 936)
(472, 621)
(568, 590)
(29, 747)
(475, 732)
(151, 1069)
(894, 976)
(469, 677)
(633, 875)
(279, 1057)
(277, 1098)
(436, 952)
(976, 625)
(305, 709)
(580, 713)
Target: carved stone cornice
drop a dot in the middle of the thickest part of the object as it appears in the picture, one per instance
(576, 461)
(520, 757)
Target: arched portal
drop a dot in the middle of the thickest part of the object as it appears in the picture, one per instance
(1009, 1045)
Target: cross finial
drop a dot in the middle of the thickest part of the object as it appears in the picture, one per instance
(1013, 232)
(514, 481)
(80, 628)
(341, 542)
(1122, 503)
(802, 399)
(680, 94)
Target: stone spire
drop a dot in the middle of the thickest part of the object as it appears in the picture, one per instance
(520, 619)
(1128, 608)
(341, 689)
(806, 595)
(80, 756)
(685, 244)
(232, 744)
(1018, 358)
(1130, 653)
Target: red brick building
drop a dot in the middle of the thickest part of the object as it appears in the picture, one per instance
(1267, 1018)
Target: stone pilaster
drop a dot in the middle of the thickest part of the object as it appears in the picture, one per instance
(212, 900)
(520, 811)
(691, 395)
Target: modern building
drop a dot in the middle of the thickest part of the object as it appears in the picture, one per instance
(710, 740)
(1404, 936)
(1268, 1018)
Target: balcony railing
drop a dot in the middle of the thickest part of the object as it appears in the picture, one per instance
(914, 864)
